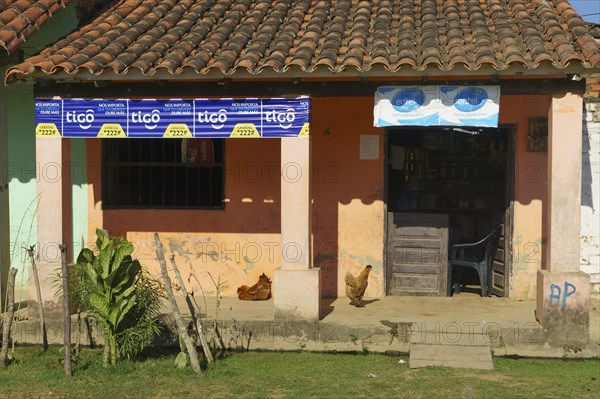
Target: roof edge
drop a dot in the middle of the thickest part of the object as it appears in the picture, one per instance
(85, 76)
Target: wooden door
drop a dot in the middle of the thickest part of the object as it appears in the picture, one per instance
(417, 254)
(503, 257)
(499, 270)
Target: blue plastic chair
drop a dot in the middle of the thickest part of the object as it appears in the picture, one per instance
(477, 255)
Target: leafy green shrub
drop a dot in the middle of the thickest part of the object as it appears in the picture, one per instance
(112, 287)
(140, 327)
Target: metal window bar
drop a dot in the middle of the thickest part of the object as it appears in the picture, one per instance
(151, 173)
(162, 151)
(205, 177)
(187, 186)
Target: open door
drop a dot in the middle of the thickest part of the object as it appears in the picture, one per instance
(499, 266)
(446, 186)
(503, 257)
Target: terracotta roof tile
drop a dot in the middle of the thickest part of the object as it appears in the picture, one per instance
(20, 19)
(306, 35)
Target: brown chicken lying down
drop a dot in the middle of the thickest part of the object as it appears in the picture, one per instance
(260, 291)
(356, 286)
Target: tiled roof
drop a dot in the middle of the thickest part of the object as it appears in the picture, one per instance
(22, 18)
(594, 30)
(250, 37)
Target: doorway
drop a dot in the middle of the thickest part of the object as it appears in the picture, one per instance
(443, 186)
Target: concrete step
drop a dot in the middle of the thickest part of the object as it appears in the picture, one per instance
(470, 351)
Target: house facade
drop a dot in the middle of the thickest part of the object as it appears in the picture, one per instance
(590, 199)
(26, 27)
(359, 189)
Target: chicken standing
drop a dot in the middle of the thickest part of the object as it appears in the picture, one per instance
(356, 286)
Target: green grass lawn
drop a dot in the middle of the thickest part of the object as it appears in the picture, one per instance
(35, 374)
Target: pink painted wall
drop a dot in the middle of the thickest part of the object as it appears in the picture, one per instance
(348, 213)
(243, 241)
(531, 178)
(237, 243)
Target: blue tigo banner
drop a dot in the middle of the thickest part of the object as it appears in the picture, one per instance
(151, 118)
(437, 106)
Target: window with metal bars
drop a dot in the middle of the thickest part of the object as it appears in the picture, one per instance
(151, 173)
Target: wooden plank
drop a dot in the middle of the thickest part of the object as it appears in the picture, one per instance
(501, 239)
(497, 279)
(498, 266)
(416, 282)
(416, 269)
(499, 254)
(415, 232)
(421, 242)
(408, 255)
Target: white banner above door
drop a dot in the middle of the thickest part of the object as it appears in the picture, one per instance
(437, 106)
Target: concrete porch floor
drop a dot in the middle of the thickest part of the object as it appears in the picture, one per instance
(463, 308)
(509, 326)
(462, 314)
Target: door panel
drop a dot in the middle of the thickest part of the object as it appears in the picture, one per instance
(417, 261)
(502, 259)
(499, 269)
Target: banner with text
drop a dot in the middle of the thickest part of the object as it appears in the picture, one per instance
(437, 106)
(152, 118)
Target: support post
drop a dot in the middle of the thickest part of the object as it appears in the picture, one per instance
(562, 290)
(53, 214)
(296, 285)
(8, 316)
(4, 215)
(66, 310)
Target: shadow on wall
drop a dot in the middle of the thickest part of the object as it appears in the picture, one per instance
(253, 193)
(587, 178)
(344, 190)
(531, 191)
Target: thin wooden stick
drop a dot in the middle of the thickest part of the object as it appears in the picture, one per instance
(8, 316)
(36, 279)
(217, 285)
(178, 319)
(66, 310)
(196, 320)
(78, 335)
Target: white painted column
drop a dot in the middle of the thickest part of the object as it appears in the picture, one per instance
(4, 209)
(296, 286)
(565, 124)
(49, 154)
(295, 203)
(562, 290)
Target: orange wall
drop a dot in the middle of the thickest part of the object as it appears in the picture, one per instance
(242, 241)
(348, 219)
(237, 243)
(531, 177)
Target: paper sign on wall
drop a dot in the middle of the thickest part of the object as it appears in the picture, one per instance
(369, 147)
(183, 118)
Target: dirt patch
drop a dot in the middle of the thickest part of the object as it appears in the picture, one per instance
(493, 377)
(409, 375)
(487, 376)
